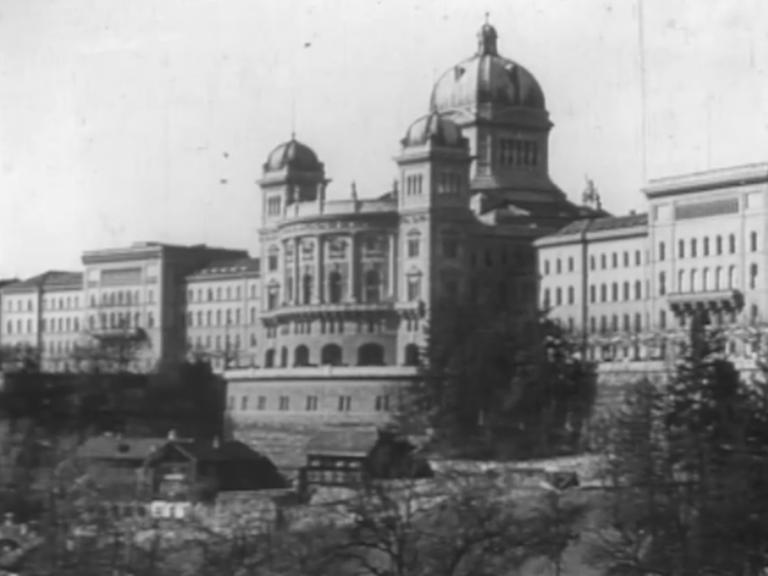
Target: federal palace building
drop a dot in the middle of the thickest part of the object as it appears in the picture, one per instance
(324, 319)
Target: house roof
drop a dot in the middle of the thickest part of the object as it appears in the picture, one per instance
(603, 224)
(227, 267)
(117, 448)
(352, 442)
(49, 279)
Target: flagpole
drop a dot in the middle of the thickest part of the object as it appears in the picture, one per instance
(643, 91)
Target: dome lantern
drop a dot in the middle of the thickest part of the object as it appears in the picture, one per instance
(486, 40)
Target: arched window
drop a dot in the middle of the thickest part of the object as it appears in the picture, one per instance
(732, 277)
(284, 357)
(680, 280)
(705, 279)
(752, 276)
(301, 356)
(370, 355)
(718, 278)
(372, 286)
(334, 287)
(411, 355)
(638, 290)
(269, 358)
(330, 355)
(306, 286)
(718, 244)
(694, 280)
(732, 244)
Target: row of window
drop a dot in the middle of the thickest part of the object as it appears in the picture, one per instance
(413, 185)
(695, 280)
(372, 289)
(616, 260)
(274, 204)
(48, 325)
(219, 294)
(122, 298)
(514, 152)
(311, 403)
(693, 245)
(219, 343)
(50, 303)
(369, 354)
(119, 320)
(449, 183)
(219, 317)
(634, 323)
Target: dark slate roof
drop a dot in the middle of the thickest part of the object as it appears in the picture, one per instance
(353, 442)
(116, 448)
(50, 279)
(603, 224)
(229, 451)
(226, 267)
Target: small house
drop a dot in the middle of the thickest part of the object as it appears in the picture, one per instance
(349, 456)
(174, 469)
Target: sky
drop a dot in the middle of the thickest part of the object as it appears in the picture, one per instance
(150, 120)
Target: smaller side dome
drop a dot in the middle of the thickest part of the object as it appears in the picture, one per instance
(436, 129)
(292, 154)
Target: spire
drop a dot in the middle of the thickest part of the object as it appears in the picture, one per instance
(486, 39)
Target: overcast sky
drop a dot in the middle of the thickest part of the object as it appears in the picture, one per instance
(150, 119)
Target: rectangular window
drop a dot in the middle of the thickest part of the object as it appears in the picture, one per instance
(285, 403)
(244, 403)
(382, 403)
(413, 247)
(450, 247)
(414, 288)
(570, 264)
(345, 402)
(311, 403)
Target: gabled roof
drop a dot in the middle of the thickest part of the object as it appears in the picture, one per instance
(603, 224)
(49, 279)
(351, 442)
(117, 448)
(227, 268)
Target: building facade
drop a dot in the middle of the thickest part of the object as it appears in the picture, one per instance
(349, 285)
(135, 295)
(222, 307)
(630, 286)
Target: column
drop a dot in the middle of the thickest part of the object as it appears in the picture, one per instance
(392, 262)
(297, 284)
(319, 296)
(353, 269)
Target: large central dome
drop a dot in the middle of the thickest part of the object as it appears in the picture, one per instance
(486, 78)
